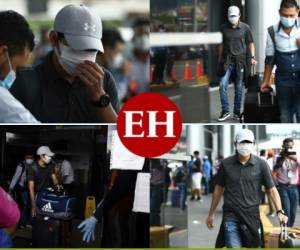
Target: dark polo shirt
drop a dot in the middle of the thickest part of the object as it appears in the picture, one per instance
(236, 40)
(243, 183)
(52, 99)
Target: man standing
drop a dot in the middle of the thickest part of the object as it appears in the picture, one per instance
(283, 50)
(233, 60)
(67, 174)
(41, 175)
(206, 173)
(286, 170)
(19, 183)
(240, 179)
(196, 177)
(69, 86)
(16, 44)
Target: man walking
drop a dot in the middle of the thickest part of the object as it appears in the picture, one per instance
(233, 56)
(240, 179)
(283, 50)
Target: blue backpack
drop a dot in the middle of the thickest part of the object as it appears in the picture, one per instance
(57, 205)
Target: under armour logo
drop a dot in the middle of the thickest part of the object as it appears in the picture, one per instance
(91, 27)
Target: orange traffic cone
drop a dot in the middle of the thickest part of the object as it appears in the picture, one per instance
(199, 71)
(151, 72)
(187, 72)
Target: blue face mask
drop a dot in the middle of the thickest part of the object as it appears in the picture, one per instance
(9, 79)
(287, 22)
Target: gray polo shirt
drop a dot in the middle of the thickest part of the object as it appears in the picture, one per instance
(243, 183)
(236, 40)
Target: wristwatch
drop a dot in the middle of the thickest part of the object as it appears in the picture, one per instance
(280, 212)
(103, 101)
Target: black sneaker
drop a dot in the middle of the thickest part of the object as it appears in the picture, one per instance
(224, 116)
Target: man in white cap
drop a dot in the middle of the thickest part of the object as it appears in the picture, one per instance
(233, 60)
(69, 86)
(41, 175)
(240, 179)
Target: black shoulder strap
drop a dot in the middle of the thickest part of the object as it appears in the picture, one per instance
(271, 32)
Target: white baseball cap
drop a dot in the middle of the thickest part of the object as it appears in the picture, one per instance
(44, 150)
(233, 11)
(82, 28)
(244, 135)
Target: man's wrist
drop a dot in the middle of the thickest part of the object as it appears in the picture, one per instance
(280, 211)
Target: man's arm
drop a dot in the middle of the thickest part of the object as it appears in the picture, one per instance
(32, 196)
(54, 179)
(218, 192)
(277, 202)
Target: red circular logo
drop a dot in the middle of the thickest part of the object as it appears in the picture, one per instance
(149, 125)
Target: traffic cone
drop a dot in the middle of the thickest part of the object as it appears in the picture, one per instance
(151, 72)
(199, 71)
(187, 72)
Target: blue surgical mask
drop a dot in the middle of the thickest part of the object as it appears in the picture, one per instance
(288, 22)
(9, 79)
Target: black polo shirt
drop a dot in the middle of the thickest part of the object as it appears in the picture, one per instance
(52, 99)
(236, 40)
(243, 183)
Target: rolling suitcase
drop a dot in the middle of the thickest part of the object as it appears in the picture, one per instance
(45, 232)
(48, 232)
(260, 107)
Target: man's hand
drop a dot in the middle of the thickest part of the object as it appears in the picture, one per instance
(253, 61)
(298, 42)
(210, 222)
(92, 76)
(33, 211)
(283, 219)
(265, 87)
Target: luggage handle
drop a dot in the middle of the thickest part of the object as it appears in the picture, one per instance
(283, 232)
(272, 98)
(253, 70)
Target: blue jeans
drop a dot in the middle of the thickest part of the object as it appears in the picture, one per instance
(289, 103)
(238, 89)
(233, 238)
(289, 200)
(183, 194)
(156, 199)
(207, 180)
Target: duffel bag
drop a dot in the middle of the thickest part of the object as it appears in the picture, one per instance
(55, 204)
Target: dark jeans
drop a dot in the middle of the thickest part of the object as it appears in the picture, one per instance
(156, 199)
(160, 61)
(183, 194)
(25, 213)
(289, 199)
(289, 103)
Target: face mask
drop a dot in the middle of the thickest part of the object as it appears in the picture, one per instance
(69, 58)
(287, 22)
(29, 161)
(8, 81)
(234, 20)
(244, 149)
(47, 159)
(117, 61)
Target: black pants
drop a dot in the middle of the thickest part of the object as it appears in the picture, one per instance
(160, 60)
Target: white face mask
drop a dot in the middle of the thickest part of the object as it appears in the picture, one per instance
(244, 149)
(234, 20)
(47, 159)
(29, 161)
(69, 58)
